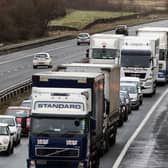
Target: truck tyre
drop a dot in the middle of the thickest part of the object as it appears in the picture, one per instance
(106, 145)
(137, 107)
(126, 116)
(112, 140)
(121, 120)
(96, 161)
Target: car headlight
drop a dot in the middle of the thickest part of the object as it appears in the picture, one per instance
(32, 164)
(133, 99)
(5, 141)
(81, 165)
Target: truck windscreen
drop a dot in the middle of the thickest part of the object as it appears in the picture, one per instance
(135, 58)
(58, 126)
(104, 53)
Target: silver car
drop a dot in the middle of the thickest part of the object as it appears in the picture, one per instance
(133, 93)
(6, 139)
(83, 38)
(42, 59)
(15, 128)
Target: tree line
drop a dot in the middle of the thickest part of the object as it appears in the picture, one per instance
(28, 19)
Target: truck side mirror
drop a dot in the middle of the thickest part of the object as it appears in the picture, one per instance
(92, 123)
(87, 53)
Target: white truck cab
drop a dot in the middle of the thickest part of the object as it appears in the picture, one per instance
(139, 58)
(68, 101)
(162, 34)
(104, 48)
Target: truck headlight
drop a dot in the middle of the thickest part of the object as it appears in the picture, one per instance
(148, 83)
(32, 164)
(81, 165)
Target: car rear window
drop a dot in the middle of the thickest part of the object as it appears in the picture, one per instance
(83, 35)
(18, 113)
(41, 56)
(9, 121)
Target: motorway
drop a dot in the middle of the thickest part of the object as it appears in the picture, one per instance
(145, 151)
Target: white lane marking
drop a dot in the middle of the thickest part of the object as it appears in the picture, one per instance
(137, 131)
(16, 59)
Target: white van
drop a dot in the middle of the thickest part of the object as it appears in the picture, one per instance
(136, 81)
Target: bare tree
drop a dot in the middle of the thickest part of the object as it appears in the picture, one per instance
(24, 19)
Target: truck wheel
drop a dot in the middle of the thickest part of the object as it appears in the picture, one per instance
(121, 120)
(126, 116)
(137, 107)
(106, 145)
(112, 140)
(96, 161)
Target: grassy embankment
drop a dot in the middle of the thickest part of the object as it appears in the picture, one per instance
(80, 19)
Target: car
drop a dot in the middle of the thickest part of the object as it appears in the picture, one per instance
(125, 106)
(133, 93)
(123, 116)
(22, 115)
(42, 59)
(121, 29)
(6, 139)
(137, 81)
(13, 126)
(125, 93)
(83, 38)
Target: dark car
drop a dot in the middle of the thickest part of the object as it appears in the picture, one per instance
(22, 115)
(124, 105)
(121, 29)
(121, 114)
(125, 93)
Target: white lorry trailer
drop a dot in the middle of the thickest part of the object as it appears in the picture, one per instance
(104, 48)
(162, 34)
(111, 90)
(139, 58)
(67, 121)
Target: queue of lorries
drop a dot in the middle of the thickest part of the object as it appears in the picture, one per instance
(76, 108)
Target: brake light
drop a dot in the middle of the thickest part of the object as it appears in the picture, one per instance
(27, 122)
(19, 120)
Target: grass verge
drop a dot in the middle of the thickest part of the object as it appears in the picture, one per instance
(109, 26)
(79, 19)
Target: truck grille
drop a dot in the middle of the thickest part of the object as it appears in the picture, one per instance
(57, 152)
(139, 75)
